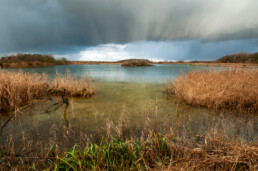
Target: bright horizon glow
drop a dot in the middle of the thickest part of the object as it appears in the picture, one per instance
(188, 50)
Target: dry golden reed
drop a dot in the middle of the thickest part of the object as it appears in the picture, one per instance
(230, 89)
(74, 85)
(19, 88)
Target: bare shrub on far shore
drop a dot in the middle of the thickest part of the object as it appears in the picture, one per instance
(136, 62)
(232, 89)
(19, 88)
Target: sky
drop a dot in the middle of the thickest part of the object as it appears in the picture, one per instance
(109, 30)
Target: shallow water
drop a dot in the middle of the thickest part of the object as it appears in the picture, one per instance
(127, 102)
(159, 73)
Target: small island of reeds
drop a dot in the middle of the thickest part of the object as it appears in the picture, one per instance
(136, 62)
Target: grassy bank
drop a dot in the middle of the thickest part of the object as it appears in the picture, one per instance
(19, 88)
(167, 151)
(161, 152)
(30, 60)
(228, 89)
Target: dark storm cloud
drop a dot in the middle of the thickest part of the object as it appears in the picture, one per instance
(33, 25)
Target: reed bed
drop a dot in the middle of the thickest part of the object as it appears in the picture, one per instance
(157, 152)
(19, 88)
(224, 89)
(74, 85)
(164, 148)
(161, 152)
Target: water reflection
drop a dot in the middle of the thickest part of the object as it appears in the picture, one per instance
(5, 123)
(65, 119)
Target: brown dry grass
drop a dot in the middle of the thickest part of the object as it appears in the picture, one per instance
(232, 89)
(74, 85)
(228, 65)
(158, 151)
(19, 88)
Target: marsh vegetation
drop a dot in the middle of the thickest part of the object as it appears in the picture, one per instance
(158, 151)
(159, 146)
(129, 125)
(19, 88)
(224, 89)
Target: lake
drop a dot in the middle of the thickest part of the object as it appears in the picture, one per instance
(115, 73)
(128, 100)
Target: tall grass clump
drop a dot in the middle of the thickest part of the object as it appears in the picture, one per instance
(230, 89)
(159, 152)
(74, 85)
(19, 88)
(156, 152)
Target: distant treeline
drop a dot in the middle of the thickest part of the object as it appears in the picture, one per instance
(239, 58)
(30, 60)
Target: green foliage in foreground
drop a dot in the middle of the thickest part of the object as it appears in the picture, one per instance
(209, 152)
(159, 152)
(115, 155)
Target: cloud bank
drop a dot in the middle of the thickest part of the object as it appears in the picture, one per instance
(54, 23)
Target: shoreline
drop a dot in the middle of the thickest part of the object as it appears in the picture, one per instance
(212, 64)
